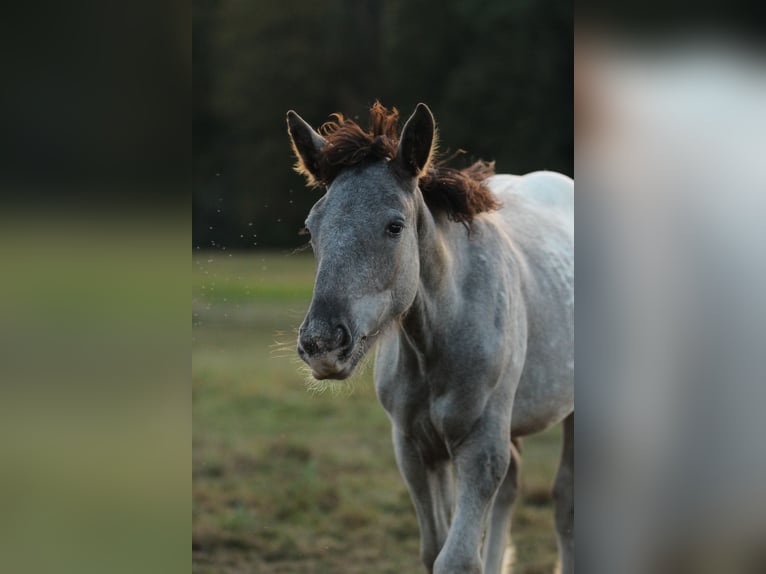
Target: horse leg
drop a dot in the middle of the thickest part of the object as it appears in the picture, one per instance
(481, 463)
(497, 534)
(425, 488)
(563, 494)
(440, 481)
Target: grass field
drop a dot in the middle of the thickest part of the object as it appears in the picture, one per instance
(285, 481)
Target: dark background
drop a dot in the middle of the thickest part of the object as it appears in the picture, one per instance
(497, 74)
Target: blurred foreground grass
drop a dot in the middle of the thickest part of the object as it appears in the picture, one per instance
(285, 481)
(94, 401)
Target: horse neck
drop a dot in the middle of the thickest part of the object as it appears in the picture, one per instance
(437, 293)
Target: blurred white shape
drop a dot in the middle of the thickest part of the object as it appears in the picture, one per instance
(671, 200)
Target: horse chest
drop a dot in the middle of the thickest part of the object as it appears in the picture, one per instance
(414, 416)
(426, 402)
(432, 422)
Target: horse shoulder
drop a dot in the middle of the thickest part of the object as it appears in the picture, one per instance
(542, 233)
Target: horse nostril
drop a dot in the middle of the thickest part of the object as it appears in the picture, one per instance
(307, 346)
(342, 336)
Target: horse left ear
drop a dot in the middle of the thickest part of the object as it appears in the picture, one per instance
(417, 141)
(307, 145)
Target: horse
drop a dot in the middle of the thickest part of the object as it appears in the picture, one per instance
(465, 281)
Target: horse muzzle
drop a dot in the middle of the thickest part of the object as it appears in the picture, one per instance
(327, 350)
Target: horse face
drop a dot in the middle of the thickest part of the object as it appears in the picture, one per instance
(364, 236)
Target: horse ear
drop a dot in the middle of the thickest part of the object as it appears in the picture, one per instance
(417, 141)
(307, 145)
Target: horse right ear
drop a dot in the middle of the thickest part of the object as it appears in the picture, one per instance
(417, 142)
(307, 145)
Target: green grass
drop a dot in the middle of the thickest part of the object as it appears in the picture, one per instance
(285, 481)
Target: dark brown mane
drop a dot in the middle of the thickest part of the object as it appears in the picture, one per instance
(459, 193)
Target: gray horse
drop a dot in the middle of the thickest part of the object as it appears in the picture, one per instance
(465, 280)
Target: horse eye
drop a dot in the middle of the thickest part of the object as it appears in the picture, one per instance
(394, 228)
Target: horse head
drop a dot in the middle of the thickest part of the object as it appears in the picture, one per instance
(364, 231)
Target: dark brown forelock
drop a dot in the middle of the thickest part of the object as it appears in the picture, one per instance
(348, 144)
(460, 193)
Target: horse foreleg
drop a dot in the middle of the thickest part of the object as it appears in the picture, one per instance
(497, 535)
(431, 496)
(563, 494)
(481, 464)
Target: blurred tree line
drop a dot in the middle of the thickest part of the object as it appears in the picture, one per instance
(497, 74)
